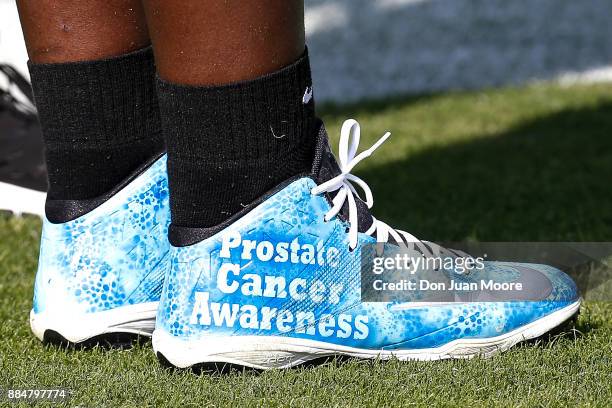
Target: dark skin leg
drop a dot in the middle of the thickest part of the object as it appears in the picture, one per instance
(81, 30)
(214, 42)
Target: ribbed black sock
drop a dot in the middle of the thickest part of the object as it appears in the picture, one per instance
(100, 121)
(228, 145)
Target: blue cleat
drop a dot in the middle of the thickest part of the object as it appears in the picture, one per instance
(279, 284)
(102, 263)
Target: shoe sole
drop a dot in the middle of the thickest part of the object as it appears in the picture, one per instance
(267, 352)
(115, 328)
(21, 200)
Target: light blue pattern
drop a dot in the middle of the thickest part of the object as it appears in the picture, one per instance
(192, 297)
(113, 256)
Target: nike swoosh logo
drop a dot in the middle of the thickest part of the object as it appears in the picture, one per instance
(307, 95)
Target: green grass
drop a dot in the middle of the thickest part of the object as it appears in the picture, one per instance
(532, 163)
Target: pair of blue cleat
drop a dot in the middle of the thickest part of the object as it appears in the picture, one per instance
(275, 286)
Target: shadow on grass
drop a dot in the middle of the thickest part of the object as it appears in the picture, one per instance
(572, 329)
(229, 369)
(549, 179)
(108, 341)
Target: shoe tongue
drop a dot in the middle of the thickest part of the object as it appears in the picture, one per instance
(325, 167)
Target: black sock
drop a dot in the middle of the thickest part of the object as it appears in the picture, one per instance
(100, 121)
(228, 145)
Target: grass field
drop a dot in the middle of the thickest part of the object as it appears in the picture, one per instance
(531, 163)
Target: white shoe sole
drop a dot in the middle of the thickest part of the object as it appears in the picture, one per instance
(266, 352)
(64, 327)
(21, 200)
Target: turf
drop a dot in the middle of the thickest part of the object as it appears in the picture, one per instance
(530, 163)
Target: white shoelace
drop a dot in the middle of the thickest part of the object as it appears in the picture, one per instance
(343, 183)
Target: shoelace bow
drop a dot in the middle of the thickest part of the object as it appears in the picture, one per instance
(343, 183)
